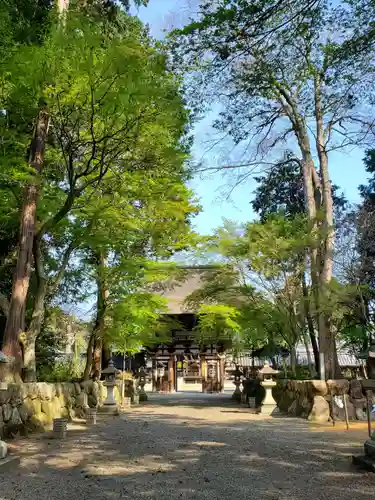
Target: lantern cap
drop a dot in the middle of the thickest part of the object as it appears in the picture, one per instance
(268, 370)
(111, 369)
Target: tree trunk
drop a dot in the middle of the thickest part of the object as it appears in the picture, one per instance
(89, 356)
(310, 323)
(33, 331)
(37, 318)
(326, 333)
(293, 361)
(94, 349)
(16, 318)
(97, 356)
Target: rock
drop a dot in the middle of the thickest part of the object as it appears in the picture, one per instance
(39, 420)
(319, 387)
(96, 390)
(46, 391)
(355, 389)
(15, 420)
(3, 450)
(59, 389)
(86, 386)
(2, 430)
(64, 412)
(32, 390)
(360, 413)
(77, 388)
(337, 387)
(292, 410)
(7, 412)
(4, 396)
(16, 394)
(81, 400)
(47, 409)
(92, 401)
(305, 407)
(25, 411)
(56, 407)
(320, 410)
(102, 392)
(338, 409)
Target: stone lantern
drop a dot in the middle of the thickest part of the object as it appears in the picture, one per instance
(110, 404)
(268, 404)
(141, 384)
(237, 382)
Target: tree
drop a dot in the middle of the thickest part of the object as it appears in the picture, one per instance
(254, 299)
(105, 93)
(291, 79)
(281, 189)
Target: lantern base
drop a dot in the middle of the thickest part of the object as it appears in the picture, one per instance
(269, 404)
(109, 409)
(143, 397)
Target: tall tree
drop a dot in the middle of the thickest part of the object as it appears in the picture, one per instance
(102, 112)
(291, 79)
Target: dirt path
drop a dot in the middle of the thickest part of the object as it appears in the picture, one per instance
(192, 447)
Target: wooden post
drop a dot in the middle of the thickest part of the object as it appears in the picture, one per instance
(171, 374)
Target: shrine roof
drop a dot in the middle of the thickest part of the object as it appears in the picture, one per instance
(178, 291)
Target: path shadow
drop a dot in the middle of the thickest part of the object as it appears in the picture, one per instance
(144, 455)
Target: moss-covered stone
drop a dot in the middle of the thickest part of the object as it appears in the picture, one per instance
(39, 421)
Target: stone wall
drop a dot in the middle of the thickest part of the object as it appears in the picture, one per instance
(312, 399)
(28, 407)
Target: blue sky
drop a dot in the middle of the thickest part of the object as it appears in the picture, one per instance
(346, 169)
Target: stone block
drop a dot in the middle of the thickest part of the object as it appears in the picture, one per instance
(32, 390)
(56, 407)
(59, 389)
(86, 386)
(355, 389)
(337, 387)
(39, 420)
(48, 410)
(46, 391)
(7, 412)
(35, 405)
(25, 411)
(16, 394)
(293, 408)
(320, 410)
(3, 450)
(92, 401)
(319, 387)
(15, 420)
(77, 388)
(338, 409)
(4, 396)
(65, 413)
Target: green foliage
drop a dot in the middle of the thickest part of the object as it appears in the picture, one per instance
(254, 299)
(134, 321)
(59, 330)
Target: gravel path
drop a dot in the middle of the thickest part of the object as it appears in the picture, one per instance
(192, 447)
